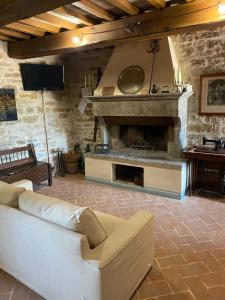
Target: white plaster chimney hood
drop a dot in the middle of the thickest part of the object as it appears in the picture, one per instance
(137, 54)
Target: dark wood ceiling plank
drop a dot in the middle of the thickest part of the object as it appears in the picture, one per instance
(25, 29)
(5, 38)
(76, 14)
(158, 3)
(15, 34)
(15, 10)
(94, 9)
(172, 20)
(56, 21)
(39, 24)
(125, 6)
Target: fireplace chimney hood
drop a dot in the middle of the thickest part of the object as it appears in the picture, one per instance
(160, 71)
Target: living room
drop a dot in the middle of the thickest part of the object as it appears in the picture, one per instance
(112, 160)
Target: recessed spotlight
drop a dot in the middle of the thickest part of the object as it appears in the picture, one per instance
(77, 39)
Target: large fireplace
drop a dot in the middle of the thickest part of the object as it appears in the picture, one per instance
(147, 124)
(146, 131)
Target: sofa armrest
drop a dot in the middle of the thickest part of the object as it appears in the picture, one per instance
(106, 252)
(27, 184)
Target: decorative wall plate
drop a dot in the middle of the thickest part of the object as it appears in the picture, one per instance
(131, 80)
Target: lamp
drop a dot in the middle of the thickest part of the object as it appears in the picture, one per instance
(221, 7)
(77, 39)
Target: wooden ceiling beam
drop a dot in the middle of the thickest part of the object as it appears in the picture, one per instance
(158, 3)
(76, 14)
(25, 29)
(94, 9)
(5, 38)
(56, 21)
(15, 10)
(125, 6)
(196, 15)
(15, 34)
(39, 24)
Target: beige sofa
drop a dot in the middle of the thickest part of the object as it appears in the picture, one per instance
(59, 264)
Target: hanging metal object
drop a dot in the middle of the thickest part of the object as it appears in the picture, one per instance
(154, 48)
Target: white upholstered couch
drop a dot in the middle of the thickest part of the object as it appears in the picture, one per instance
(59, 264)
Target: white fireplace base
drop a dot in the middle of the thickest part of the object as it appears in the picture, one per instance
(161, 177)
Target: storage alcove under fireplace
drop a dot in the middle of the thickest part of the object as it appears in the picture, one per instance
(129, 174)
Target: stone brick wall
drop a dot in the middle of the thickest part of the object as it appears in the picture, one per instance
(198, 53)
(30, 127)
(76, 66)
(201, 52)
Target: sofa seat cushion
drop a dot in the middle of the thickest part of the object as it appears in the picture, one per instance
(9, 194)
(79, 219)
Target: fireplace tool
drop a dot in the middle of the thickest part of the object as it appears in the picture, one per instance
(154, 48)
(81, 162)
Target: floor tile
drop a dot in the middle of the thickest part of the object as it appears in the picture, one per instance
(189, 245)
(171, 261)
(198, 289)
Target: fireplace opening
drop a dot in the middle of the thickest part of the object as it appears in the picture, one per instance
(129, 174)
(144, 137)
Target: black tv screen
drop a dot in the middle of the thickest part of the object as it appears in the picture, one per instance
(41, 77)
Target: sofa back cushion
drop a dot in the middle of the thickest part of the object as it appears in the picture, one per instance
(79, 219)
(92, 228)
(9, 194)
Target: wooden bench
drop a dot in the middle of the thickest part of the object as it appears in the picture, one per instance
(21, 163)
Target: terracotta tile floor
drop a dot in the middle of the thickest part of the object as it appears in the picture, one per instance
(189, 248)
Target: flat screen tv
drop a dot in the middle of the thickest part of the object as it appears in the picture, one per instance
(41, 77)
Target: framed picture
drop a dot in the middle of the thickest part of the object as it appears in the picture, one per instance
(212, 94)
(8, 111)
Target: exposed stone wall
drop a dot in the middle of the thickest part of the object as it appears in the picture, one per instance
(30, 127)
(76, 66)
(198, 53)
(201, 52)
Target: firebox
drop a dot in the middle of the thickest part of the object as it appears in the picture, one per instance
(144, 137)
(140, 133)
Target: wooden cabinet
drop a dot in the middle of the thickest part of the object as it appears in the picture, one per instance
(206, 172)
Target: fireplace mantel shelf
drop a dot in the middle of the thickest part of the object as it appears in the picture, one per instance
(120, 98)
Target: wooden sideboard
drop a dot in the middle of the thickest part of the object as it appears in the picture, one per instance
(206, 171)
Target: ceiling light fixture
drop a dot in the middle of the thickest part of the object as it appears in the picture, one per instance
(77, 39)
(221, 7)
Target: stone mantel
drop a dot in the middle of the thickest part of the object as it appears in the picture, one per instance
(121, 98)
(158, 105)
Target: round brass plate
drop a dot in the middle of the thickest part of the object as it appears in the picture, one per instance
(131, 80)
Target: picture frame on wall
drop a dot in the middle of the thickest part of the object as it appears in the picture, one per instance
(212, 94)
(8, 111)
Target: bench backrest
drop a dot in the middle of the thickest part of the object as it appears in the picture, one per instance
(17, 156)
